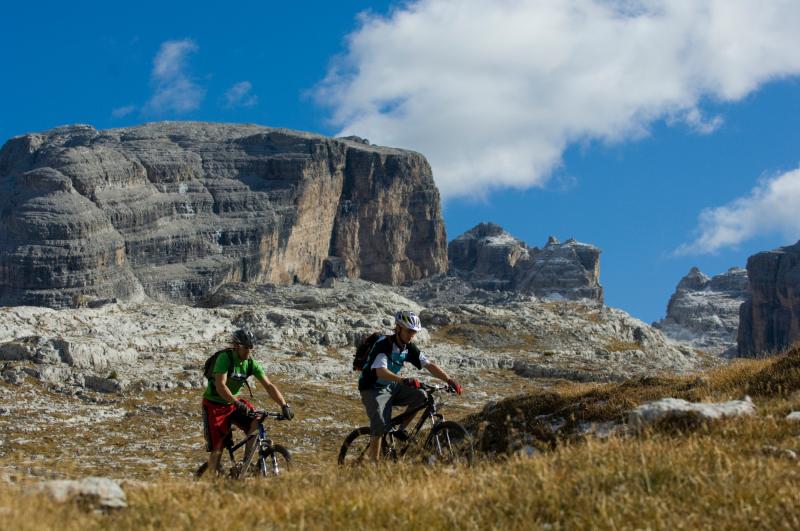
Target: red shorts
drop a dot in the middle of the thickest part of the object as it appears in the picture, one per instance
(217, 420)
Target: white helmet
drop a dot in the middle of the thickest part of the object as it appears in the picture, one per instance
(408, 320)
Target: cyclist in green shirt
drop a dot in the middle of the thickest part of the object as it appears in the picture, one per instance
(222, 406)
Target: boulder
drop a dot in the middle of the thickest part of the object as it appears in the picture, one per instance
(93, 492)
(173, 210)
(669, 409)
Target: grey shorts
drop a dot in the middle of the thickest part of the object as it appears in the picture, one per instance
(379, 403)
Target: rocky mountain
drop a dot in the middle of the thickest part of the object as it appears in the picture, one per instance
(704, 311)
(174, 210)
(490, 258)
(308, 334)
(770, 318)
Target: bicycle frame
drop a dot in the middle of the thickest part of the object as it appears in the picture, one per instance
(262, 442)
(429, 411)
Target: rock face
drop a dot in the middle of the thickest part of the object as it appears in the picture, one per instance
(770, 319)
(309, 332)
(704, 311)
(173, 210)
(490, 258)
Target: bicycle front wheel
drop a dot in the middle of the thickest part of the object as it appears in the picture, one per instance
(449, 443)
(355, 447)
(275, 461)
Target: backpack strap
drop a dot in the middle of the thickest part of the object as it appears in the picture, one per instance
(248, 369)
(375, 352)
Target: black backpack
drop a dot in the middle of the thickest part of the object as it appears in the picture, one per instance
(208, 367)
(363, 349)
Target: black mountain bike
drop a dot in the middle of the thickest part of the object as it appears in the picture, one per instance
(264, 459)
(448, 442)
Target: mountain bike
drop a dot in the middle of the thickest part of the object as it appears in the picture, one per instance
(264, 459)
(447, 443)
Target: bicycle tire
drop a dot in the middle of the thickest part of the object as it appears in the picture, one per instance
(355, 447)
(265, 467)
(449, 443)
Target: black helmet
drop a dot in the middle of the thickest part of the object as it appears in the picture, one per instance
(244, 338)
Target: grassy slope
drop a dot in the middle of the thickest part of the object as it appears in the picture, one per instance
(713, 476)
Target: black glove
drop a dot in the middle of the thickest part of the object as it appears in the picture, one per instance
(287, 412)
(241, 408)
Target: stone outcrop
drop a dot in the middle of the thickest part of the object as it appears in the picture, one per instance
(679, 410)
(490, 258)
(173, 210)
(770, 319)
(102, 493)
(704, 311)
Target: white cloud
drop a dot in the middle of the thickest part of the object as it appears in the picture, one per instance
(122, 112)
(493, 91)
(239, 95)
(174, 90)
(771, 207)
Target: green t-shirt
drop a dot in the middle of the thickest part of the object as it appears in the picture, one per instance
(236, 378)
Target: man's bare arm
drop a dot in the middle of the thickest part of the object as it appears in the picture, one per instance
(273, 392)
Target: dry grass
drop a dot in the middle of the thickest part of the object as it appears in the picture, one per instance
(617, 345)
(707, 481)
(527, 419)
(717, 476)
(490, 338)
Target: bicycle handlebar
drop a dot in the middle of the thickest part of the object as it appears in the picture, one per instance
(434, 388)
(261, 414)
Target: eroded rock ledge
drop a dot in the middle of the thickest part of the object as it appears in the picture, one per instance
(704, 311)
(491, 258)
(175, 209)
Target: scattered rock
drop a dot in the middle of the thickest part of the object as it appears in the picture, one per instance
(794, 416)
(104, 385)
(668, 409)
(784, 453)
(95, 492)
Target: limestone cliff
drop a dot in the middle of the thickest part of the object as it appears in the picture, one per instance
(770, 319)
(704, 311)
(174, 209)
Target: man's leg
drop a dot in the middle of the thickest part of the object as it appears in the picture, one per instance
(375, 448)
(377, 402)
(213, 461)
(415, 399)
(214, 439)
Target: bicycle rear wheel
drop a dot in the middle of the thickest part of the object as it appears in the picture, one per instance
(449, 443)
(275, 461)
(355, 449)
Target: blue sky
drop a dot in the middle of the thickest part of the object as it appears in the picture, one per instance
(666, 133)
